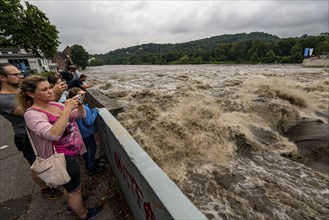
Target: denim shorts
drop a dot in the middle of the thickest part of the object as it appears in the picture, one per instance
(23, 144)
(73, 168)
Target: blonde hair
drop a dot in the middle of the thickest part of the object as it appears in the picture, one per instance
(29, 84)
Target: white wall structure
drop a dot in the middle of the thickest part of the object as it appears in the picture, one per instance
(25, 61)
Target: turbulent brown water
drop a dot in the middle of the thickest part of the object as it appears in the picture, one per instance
(241, 141)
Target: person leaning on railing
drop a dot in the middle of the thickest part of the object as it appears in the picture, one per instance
(80, 83)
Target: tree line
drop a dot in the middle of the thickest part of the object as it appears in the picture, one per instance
(256, 47)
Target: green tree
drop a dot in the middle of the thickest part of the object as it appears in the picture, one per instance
(79, 56)
(11, 13)
(27, 28)
(285, 59)
(323, 47)
(96, 62)
(285, 45)
(237, 48)
(297, 53)
(254, 57)
(232, 54)
(270, 57)
(184, 59)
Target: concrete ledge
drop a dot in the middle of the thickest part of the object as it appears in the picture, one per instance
(149, 192)
(315, 62)
(99, 100)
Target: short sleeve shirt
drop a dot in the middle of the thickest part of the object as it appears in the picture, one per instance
(75, 83)
(7, 105)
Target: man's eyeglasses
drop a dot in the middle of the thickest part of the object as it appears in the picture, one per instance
(14, 74)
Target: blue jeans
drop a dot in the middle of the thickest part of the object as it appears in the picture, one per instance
(89, 156)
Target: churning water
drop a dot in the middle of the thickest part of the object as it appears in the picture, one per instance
(241, 141)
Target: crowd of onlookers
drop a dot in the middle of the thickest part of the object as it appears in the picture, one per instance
(55, 112)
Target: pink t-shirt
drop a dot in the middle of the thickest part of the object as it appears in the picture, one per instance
(40, 122)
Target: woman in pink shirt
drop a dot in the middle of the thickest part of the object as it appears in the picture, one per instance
(54, 124)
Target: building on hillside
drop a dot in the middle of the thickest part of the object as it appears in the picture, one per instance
(63, 58)
(26, 62)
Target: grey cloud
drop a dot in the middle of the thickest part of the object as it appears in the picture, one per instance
(101, 26)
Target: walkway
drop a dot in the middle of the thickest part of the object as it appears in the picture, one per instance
(20, 197)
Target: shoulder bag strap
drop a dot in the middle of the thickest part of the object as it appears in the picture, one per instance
(32, 143)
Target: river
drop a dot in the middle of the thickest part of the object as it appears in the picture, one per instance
(241, 141)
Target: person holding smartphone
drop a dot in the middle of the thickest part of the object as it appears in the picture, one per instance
(54, 124)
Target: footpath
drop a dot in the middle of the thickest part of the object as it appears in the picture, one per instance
(20, 197)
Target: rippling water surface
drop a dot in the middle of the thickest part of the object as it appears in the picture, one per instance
(241, 141)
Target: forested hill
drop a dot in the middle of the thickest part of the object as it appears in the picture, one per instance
(229, 48)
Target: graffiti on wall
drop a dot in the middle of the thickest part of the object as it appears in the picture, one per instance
(135, 189)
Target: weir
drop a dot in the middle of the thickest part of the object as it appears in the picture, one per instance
(149, 192)
(316, 62)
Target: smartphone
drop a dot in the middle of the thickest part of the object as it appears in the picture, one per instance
(80, 98)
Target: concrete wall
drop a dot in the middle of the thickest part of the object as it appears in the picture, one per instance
(315, 62)
(149, 192)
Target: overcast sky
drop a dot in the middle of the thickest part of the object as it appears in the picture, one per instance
(103, 26)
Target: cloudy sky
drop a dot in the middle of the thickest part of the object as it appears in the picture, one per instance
(103, 26)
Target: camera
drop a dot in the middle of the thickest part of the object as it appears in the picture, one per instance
(80, 98)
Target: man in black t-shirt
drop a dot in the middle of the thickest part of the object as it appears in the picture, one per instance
(79, 83)
(67, 75)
